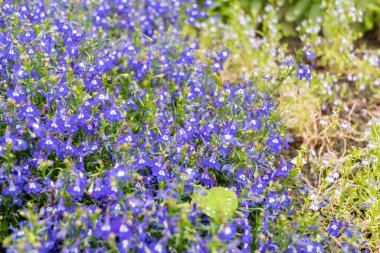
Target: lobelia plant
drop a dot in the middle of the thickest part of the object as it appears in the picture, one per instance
(114, 136)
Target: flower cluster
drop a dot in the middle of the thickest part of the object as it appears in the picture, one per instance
(304, 71)
(109, 122)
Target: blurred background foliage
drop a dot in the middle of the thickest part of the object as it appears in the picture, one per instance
(293, 12)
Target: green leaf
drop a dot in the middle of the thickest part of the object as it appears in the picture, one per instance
(297, 10)
(219, 203)
(256, 7)
(280, 3)
(288, 30)
(368, 22)
(315, 11)
(373, 7)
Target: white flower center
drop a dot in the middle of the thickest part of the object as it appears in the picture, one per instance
(120, 173)
(123, 228)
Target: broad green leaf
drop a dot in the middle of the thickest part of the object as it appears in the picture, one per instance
(219, 203)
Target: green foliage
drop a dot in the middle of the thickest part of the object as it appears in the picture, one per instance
(292, 12)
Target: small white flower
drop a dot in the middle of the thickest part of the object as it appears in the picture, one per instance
(338, 192)
(329, 179)
(314, 206)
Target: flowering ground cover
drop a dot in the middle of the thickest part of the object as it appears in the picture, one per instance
(184, 126)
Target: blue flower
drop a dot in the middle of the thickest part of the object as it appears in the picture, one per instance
(76, 190)
(56, 125)
(19, 71)
(212, 162)
(13, 55)
(304, 71)
(275, 143)
(227, 231)
(308, 53)
(219, 101)
(112, 114)
(11, 189)
(33, 187)
(223, 55)
(334, 227)
(61, 91)
(283, 169)
(27, 36)
(254, 123)
(216, 66)
(259, 186)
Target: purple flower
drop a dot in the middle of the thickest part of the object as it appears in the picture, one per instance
(13, 53)
(36, 126)
(209, 128)
(98, 189)
(18, 94)
(49, 143)
(206, 180)
(93, 84)
(61, 91)
(76, 190)
(241, 177)
(308, 53)
(129, 138)
(112, 114)
(30, 110)
(120, 173)
(11, 189)
(33, 187)
(212, 162)
(283, 169)
(19, 71)
(275, 143)
(82, 117)
(132, 104)
(334, 227)
(306, 245)
(104, 229)
(159, 247)
(68, 148)
(259, 186)
(304, 71)
(227, 231)
(70, 125)
(56, 125)
(252, 124)
(219, 100)
(27, 36)
(159, 169)
(19, 145)
(228, 139)
(181, 135)
(223, 55)
(192, 174)
(216, 66)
